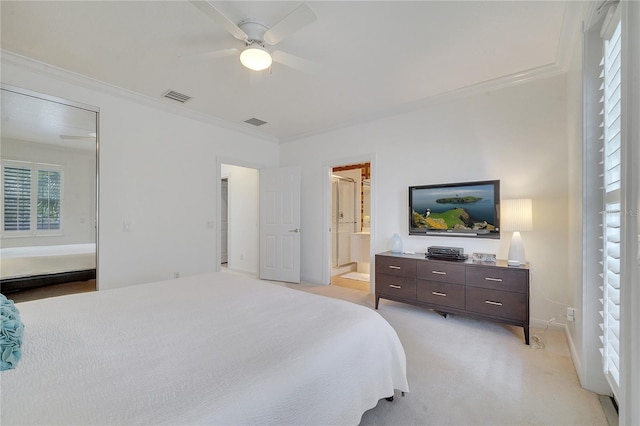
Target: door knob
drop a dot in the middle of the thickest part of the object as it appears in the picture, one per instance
(294, 230)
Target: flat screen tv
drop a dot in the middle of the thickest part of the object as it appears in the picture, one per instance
(465, 209)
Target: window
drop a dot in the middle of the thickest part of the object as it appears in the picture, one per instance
(17, 199)
(48, 216)
(32, 198)
(612, 181)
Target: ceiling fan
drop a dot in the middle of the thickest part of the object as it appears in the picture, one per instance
(258, 36)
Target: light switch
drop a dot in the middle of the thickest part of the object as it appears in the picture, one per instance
(126, 226)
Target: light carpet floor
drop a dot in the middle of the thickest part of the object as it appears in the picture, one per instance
(463, 371)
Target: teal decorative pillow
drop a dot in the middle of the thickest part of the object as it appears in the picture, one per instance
(10, 334)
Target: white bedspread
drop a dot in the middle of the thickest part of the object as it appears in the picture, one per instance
(41, 260)
(213, 349)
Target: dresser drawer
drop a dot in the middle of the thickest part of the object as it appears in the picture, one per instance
(503, 304)
(404, 287)
(396, 266)
(444, 294)
(515, 280)
(444, 272)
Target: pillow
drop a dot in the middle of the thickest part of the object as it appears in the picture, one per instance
(11, 331)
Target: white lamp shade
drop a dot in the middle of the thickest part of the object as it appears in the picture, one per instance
(516, 215)
(256, 58)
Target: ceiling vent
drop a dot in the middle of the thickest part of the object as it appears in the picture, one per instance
(255, 121)
(171, 94)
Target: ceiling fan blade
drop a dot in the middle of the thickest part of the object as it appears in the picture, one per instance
(77, 137)
(222, 53)
(212, 11)
(294, 62)
(215, 54)
(294, 21)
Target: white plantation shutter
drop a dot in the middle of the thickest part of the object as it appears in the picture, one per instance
(612, 164)
(16, 189)
(31, 198)
(49, 197)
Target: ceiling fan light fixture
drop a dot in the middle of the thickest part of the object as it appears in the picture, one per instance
(255, 57)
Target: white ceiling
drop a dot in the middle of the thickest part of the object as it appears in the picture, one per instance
(28, 118)
(371, 58)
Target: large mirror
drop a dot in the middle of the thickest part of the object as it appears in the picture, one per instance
(48, 220)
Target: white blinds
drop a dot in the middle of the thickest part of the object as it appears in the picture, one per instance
(49, 197)
(612, 164)
(31, 198)
(17, 198)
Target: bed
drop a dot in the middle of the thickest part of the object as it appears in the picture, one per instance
(219, 348)
(27, 267)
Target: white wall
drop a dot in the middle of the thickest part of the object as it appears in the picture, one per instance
(516, 134)
(157, 172)
(243, 218)
(78, 190)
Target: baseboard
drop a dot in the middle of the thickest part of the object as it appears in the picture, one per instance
(537, 323)
(243, 271)
(551, 325)
(344, 269)
(574, 354)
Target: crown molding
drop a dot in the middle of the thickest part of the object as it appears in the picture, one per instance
(60, 74)
(510, 80)
(47, 70)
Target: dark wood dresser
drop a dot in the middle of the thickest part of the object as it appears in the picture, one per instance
(491, 291)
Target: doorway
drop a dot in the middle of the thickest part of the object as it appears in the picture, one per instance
(351, 225)
(238, 234)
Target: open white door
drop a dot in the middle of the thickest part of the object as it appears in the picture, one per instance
(280, 224)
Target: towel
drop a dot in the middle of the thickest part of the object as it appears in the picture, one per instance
(10, 334)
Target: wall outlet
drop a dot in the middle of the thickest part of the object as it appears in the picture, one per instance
(571, 314)
(176, 275)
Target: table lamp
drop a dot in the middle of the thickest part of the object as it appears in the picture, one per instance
(516, 216)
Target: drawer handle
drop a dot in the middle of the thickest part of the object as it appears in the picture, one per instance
(489, 302)
(499, 280)
(393, 267)
(439, 272)
(437, 293)
(394, 286)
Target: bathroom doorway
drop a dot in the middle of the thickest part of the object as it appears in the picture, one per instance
(351, 225)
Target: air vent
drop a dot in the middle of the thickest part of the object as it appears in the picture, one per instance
(255, 121)
(176, 96)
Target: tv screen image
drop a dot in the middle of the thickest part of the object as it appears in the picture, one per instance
(464, 209)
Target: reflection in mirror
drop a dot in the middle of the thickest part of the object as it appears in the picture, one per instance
(366, 205)
(48, 203)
